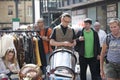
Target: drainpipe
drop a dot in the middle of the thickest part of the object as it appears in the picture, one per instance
(16, 7)
(33, 11)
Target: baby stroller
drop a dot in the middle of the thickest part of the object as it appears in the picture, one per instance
(62, 64)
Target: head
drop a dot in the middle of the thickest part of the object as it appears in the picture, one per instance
(88, 23)
(40, 23)
(65, 19)
(29, 28)
(114, 25)
(97, 26)
(9, 55)
(30, 71)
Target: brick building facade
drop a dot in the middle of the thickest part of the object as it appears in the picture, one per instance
(8, 12)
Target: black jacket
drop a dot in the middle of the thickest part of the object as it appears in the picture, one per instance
(80, 46)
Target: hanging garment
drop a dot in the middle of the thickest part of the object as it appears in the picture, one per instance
(42, 53)
(29, 52)
(6, 42)
(19, 43)
(37, 53)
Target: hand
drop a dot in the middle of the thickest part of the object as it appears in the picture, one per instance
(15, 71)
(81, 38)
(98, 57)
(11, 67)
(44, 38)
(66, 43)
(102, 74)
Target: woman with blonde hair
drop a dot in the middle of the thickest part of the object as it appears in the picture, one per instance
(112, 46)
(8, 63)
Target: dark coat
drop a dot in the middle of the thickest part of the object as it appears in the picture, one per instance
(80, 46)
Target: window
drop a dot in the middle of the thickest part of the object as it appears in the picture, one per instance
(77, 1)
(111, 11)
(52, 3)
(29, 11)
(10, 10)
(71, 1)
(20, 13)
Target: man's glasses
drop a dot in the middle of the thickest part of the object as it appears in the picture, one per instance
(39, 22)
(66, 21)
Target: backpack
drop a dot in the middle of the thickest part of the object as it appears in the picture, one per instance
(46, 31)
(108, 39)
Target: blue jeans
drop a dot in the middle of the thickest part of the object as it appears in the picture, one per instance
(47, 58)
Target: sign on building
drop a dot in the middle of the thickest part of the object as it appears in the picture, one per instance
(16, 23)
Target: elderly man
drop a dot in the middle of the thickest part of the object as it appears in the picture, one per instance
(101, 33)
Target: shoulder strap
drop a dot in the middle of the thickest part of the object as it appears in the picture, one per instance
(46, 30)
(108, 39)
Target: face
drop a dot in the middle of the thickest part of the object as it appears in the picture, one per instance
(97, 27)
(28, 28)
(87, 25)
(40, 23)
(10, 56)
(66, 21)
(114, 28)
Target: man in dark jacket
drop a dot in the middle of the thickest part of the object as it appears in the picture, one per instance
(88, 48)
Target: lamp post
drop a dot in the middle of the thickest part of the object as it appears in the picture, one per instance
(24, 11)
(16, 7)
(41, 7)
(33, 11)
(48, 12)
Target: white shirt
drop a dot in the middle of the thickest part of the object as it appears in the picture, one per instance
(102, 35)
(3, 68)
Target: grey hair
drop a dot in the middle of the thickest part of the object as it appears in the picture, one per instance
(41, 19)
(114, 20)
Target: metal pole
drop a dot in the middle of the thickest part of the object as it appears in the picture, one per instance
(24, 12)
(40, 7)
(33, 11)
(16, 7)
(48, 12)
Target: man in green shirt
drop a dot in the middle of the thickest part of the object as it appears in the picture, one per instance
(88, 48)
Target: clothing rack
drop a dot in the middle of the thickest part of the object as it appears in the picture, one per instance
(18, 31)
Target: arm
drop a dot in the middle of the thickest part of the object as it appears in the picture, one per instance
(55, 43)
(79, 40)
(47, 35)
(65, 43)
(98, 46)
(14, 67)
(3, 68)
(74, 42)
(102, 55)
(79, 36)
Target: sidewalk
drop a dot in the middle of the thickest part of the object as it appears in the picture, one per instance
(88, 70)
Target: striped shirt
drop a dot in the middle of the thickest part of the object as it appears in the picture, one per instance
(113, 54)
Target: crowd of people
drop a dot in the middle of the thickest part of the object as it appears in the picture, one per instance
(93, 45)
